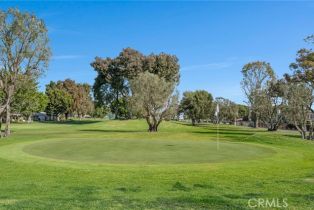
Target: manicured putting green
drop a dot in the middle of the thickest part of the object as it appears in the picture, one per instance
(125, 151)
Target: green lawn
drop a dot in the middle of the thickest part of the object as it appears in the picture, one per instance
(119, 165)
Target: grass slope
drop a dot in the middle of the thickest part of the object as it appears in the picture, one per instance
(37, 171)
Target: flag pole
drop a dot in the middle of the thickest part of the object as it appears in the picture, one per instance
(217, 140)
(217, 128)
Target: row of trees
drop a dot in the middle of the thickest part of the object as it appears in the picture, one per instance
(274, 100)
(69, 99)
(61, 99)
(143, 86)
(200, 105)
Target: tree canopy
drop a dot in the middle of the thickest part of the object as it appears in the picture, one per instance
(196, 105)
(111, 87)
(69, 98)
(256, 76)
(24, 52)
(152, 98)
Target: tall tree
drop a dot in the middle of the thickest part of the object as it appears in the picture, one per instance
(59, 100)
(196, 105)
(303, 67)
(301, 89)
(256, 75)
(111, 87)
(297, 108)
(152, 98)
(80, 95)
(271, 101)
(24, 51)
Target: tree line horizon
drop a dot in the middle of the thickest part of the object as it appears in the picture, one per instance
(134, 85)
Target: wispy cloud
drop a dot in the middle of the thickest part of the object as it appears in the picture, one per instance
(66, 57)
(208, 66)
(213, 65)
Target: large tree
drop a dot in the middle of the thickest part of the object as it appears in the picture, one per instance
(59, 101)
(80, 95)
(297, 109)
(301, 89)
(303, 67)
(256, 75)
(271, 101)
(196, 105)
(153, 99)
(24, 52)
(111, 87)
(80, 102)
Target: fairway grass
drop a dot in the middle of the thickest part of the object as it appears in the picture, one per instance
(118, 165)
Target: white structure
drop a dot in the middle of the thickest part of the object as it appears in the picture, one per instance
(40, 116)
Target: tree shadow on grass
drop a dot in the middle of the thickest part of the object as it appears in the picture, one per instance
(113, 131)
(221, 132)
(71, 122)
(222, 127)
(298, 136)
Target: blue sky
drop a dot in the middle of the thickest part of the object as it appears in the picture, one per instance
(212, 40)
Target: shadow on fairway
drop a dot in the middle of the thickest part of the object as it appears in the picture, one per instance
(71, 122)
(221, 132)
(114, 131)
(293, 135)
(222, 127)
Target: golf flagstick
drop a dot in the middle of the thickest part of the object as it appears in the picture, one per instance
(217, 129)
(218, 135)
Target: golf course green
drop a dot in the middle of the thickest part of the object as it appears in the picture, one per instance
(99, 164)
(145, 151)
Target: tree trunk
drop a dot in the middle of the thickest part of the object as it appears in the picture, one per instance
(256, 124)
(1, 134)
(193, 121)
(117, 105)
(29, 120)
(7, 131)
(153, 128)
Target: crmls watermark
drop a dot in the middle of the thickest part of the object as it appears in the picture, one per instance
(268, 203)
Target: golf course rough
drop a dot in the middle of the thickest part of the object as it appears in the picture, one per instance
(119, 165)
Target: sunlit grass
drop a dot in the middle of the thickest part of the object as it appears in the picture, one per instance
(36, 180)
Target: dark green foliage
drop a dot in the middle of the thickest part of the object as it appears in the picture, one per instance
(256, 76)
(77, 100)
(28, 100)
(243, 112)
(111, 87)
(59, 100)
(196, 105)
